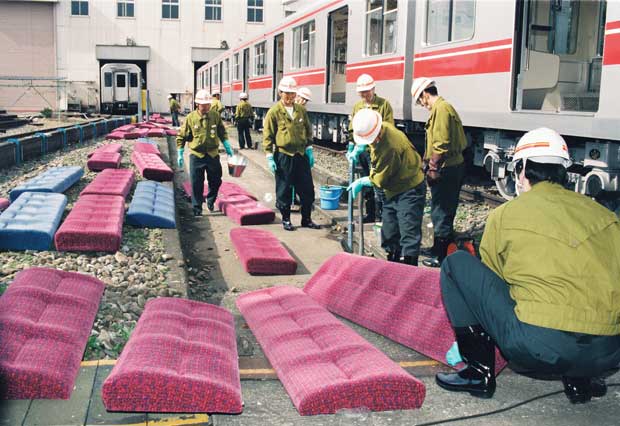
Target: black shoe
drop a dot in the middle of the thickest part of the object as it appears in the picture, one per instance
(599, 387)
(210, 205)
(431, 262)
(287, 225)
(393, 256)
(410, 260)
(369, 219)
(310, 224)
(580, 390)
(197, 212)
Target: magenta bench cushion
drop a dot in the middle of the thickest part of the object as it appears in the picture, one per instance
(111, 147)
(111, 182)
(157, 133)
(399, 301)
(152, 167)
(244, 210)
(226, 189)
(261, 253)
(45, 319)
(323, 364)
(4, 203)
(146, 148)
(94, 224)
(104, 160)
(181, 358)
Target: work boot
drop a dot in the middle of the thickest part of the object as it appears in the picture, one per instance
(369, 219)
(197, 212)
(286, 220)
(308, 223)
(394, 255)
(410, 260)
(210, 205)
(580, 390)
(478, 351)
(439, 250)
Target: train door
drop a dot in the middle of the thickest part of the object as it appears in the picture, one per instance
(559, 55)
(121, 88)
(278, 63)
(246, 69)
(337, 55)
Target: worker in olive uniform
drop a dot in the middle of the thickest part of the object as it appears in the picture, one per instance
(397, 169)
(203, 129)
(546, 291)
(244, 114)
(366, 89)
(174, 110)
(304, 95)
(287, 140)
(216, 105)
(444, 163)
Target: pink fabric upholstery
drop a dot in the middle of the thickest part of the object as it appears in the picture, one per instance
(152, 167)
(156, 133)
(323, 364)
(115, 135)
(243, 210)
(146, 148)
(111, 147)
(45, 319)
(261, 253)
(125, 128)
(4, 203)
(104, 160)
(142, 132)
(171, 132)
(399, 301)
(94, 224)
(132, 134)
(111, 182)
(181, 358)
(227, 188)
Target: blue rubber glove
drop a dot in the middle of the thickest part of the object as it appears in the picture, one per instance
(357, 185)
(310, 155)
(180, 160)
(355, 152)
(228, 148)
(453, 356)
(271, 163)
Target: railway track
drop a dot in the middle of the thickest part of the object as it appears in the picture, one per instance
(472, 195)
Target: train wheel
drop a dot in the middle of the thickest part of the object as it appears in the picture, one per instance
(506, 187)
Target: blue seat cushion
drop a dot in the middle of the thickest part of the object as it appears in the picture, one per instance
(152, 206)
(55, 179)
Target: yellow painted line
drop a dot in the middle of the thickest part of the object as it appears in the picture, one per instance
(418, 363)
(133, 424)
(90, 363)
(107, 362)
(196, 419)
(252, 371)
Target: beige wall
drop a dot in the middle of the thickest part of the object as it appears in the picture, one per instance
(27, 48)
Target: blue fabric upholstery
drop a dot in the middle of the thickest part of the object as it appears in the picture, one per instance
(55, 179)
(31, 221)
(152, 206)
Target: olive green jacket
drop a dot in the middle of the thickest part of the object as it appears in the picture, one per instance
(396, 165)
(203, 132)
(244, 110)
(174, 105)
(217, 106)
(559, 252)
(289, 136)
(445, 134)
(379, 104)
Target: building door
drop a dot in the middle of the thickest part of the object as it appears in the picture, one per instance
(246, 69)
(337, 55)
(278, 63)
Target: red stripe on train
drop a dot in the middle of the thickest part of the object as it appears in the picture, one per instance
(464, 48)
(378, 72)
(492, 61)
(611, 52)
(612, 25)
(237, 86)
(309, 79)
(260, 84)
(375, 61)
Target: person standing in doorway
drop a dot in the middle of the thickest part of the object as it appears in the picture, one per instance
(244, 115)
(175, 107)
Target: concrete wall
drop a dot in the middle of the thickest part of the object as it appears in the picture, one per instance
(27, 48)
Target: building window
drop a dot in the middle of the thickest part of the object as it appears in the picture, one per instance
(125, 8)
(236, 67)
(79, 7)
(213, 10)
(133, 79)
(170, 9)
(450, 20)
(303, 45)
(381, 26)
(255, 10)
(226, 73)
(260, 67)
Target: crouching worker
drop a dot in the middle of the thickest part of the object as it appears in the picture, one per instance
(396, 169)
(203, 129)
(546, 291)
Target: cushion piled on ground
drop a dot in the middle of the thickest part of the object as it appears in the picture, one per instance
(45, 319)
(132, 134)
(243, 210)
(152, 167)
(4, 203)
(94, 224)
(115, 135)
(323, 364)
(181, 358)
(227, 188)
(157, 133)
(399, 301)
(125, 128)
(55, 179)
(171, 132)
(104, 160)
(152, 206)
(111, 182)
(31, 221)
(111, 147)
(146, 147)
(261, 253)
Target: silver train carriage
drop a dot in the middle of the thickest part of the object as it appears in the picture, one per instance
(120, 88)
(507, 67)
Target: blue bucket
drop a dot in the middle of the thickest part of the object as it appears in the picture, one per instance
(330, 196)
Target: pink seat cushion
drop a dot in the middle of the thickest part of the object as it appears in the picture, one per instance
(125, 128)
(243, 210)
(156, 133)
(111, 147)
(45, 319)
(399, 301)
(146, 148)
(111, 182)
(171, 132)
(104, 160)
(152, 167)
(323, 364)
(4, 203)
(115, 135)
(227, 188)
(261, 253)
(181, 358)
(132, 134)
(94, 224)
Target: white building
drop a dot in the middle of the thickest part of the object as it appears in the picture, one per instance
(168, 39)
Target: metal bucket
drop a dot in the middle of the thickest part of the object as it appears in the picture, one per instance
(236, 165)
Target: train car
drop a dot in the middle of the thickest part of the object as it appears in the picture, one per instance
(120, 88)
(507, 67)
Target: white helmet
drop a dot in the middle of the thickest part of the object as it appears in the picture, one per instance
(418, 86)
(202, 97)
(243, 95)
(542, 145)
(215, 92)
(169, 96)
(305, 93)
(288, 85)
(366, 126)
(365, 82)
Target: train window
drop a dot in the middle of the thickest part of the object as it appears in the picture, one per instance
(303, 45)
(213, 10)
(260, 67)
(236, 67)
(226, 73)
(564, 19)
(255, 10)
(170, 9)
(79, 8)
(133, 79)
(121, 80)
(125, 8)
(381, 26)
(450, 20)
(215, 82)
(107, 79)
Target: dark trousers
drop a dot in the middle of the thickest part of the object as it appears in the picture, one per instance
(474, 294)
(197, 169)
(402, 221)
(445, 200)
(175, 118)
(293, 171)
(243, 128)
